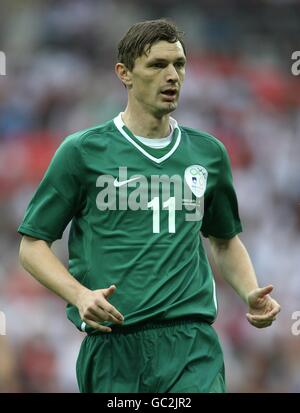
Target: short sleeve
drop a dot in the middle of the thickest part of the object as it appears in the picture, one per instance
(58, 196)
(221, 216)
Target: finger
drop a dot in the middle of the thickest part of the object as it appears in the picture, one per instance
(103, 315)
(107, 292)
(97, 314)
(110, 309)
(115, 319)
(253, 319)
(90, 316)
(97, 326)
(259, 319)
(276, 305)
(261, 292)
(265, 316)
(260, 324)
(275, 311)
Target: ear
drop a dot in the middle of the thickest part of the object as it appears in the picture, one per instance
(123, 74)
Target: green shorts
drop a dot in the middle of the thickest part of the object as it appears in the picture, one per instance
(168, 357)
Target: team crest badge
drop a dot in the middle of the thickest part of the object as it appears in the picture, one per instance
(196, 177)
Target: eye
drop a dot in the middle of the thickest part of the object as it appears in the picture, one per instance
(158, 65)
(180, 65)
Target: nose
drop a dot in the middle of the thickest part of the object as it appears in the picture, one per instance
(171, 74)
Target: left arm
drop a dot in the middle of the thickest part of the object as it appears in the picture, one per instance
(234, 265)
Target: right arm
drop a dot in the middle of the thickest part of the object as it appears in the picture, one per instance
(38, 259)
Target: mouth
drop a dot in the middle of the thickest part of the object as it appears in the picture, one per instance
(169, 94)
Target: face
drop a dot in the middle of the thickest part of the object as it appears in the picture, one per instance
(157, 77)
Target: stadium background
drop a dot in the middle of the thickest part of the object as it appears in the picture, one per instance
(239, 86)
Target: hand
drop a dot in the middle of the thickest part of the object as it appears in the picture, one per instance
(94, 308)
(262, 308)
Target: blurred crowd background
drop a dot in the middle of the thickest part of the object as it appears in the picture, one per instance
(239, 86)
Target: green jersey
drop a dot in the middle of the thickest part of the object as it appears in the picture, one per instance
(137, 213)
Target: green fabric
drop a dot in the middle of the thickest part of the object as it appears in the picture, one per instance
(182, 357)
(155, 257)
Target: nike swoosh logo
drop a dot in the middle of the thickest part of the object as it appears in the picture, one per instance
(117, 183)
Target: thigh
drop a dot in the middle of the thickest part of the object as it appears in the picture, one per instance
(219, 385)
(193, 361)
(184, 357)
(109, 363)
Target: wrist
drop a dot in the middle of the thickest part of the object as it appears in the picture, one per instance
(80, 293)
(249, 294)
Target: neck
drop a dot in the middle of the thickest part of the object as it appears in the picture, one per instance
(145, 124)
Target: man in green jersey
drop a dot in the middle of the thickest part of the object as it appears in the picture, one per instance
(139, 189)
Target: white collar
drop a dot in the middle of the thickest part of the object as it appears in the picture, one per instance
(118, 121)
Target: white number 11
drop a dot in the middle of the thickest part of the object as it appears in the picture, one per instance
(170, 205)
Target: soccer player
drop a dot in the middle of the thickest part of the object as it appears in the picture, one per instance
(139, 189)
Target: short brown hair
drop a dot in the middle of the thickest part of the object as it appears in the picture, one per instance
(145, 34)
